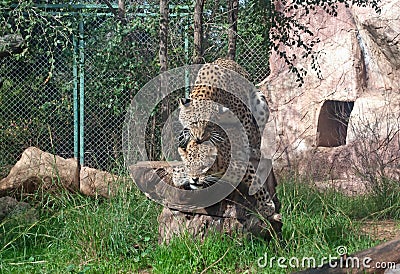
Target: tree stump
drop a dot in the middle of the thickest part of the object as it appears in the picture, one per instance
(232, 215)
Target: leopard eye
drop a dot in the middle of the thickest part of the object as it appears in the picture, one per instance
(185, 102)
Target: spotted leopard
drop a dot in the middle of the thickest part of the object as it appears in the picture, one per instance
(201, 165)
(200, 169)
(204, 160)
(210, 102)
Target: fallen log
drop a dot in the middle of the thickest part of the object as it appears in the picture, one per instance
(376, 259)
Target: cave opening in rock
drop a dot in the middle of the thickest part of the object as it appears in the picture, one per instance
(332, 123)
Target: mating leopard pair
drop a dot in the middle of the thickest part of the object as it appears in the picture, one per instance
(223, 123)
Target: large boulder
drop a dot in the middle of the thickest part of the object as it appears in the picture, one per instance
(374, 117)
(380, 43)
(359, 60)
(39, 169)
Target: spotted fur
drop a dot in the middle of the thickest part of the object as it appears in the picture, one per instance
(201, 169)
(210, 101)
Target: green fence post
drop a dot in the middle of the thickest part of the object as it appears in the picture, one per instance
(75, 98)
(81, 92)
(187, 80)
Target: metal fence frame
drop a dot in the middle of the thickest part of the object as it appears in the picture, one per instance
(79, 68)
(79, 65)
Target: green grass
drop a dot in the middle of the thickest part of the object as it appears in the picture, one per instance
(77, 234)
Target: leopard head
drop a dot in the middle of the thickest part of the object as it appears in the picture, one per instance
(198, 158)
(196, 117)
(193, 121)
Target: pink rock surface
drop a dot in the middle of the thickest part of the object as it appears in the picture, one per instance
(359, 57)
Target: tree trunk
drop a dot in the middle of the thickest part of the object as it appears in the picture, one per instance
(233, 215)
(207, 28)
(121, 11)
(110, 7)
(163, 54)
(232, 32)
(198, 32)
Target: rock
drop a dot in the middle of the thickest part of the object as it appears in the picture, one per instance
(395, 270)
(94, 182)
(11, 208)
(359, 58)
(7, 204)
(349, 187)
(379, 34)
(37, 168)
(374, 117)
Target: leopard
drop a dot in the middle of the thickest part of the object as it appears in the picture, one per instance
(205, 160)
(201, 169)
(210, 103)
(201, 164)
(197, 115)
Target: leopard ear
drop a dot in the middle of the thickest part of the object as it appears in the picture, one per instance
(184, 102)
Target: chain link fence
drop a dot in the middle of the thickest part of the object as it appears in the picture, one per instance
(108, 61)
(113, 75)
(36, 109)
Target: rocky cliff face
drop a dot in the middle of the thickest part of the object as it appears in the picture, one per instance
(359, 57)
(379, 40)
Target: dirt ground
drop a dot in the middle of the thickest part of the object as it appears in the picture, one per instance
(382, 230)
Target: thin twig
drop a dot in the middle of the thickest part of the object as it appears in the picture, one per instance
(217, 261)
(108, 4)
(22, 263)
